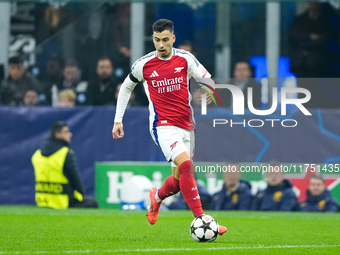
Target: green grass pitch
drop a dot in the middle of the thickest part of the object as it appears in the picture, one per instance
(31, 230)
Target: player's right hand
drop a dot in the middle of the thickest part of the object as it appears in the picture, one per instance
(117, 130)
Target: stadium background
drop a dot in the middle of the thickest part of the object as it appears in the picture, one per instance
(87, 28)
(315, 140)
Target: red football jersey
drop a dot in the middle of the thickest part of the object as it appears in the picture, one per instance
(166, 83)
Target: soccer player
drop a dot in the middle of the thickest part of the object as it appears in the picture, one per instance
(165, 74)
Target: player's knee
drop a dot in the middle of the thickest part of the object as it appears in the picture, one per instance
(182, 157)
(175, 172)
(186, 167)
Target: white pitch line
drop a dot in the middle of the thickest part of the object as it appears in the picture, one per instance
(175, 249)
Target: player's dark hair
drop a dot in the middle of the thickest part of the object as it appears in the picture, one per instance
(15, 60)
(317, 177)
(56, 127)
(163, 24)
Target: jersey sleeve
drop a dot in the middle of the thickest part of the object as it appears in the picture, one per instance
(130, 82)
(196, 69)
(136, 73)
(123, 97)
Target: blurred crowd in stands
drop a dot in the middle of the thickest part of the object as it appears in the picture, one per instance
(279, 195)
(63, 85)
(314, 53)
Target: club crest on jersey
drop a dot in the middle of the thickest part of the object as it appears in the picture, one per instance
(154, 74)
(178, 69)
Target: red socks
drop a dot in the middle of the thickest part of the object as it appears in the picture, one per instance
(186, 184)
(170, 187)
(188, 188)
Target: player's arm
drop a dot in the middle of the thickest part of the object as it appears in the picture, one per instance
(202, 76)
(123, 98)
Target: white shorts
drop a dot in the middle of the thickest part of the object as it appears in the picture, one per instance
(173, 141)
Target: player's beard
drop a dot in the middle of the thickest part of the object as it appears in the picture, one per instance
(164, 54)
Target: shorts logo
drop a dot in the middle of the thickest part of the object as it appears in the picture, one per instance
(178, 69)
(154, 74)
(172, 146)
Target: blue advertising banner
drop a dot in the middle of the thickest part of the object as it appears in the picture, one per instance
(315, 139)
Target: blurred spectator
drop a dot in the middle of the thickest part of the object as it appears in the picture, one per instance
(103, 90)
(179, 202)
(120, 49)
(243, 79)
(279, 194)
(132, 100)
(319, 199)
(72, 80)
(188, 46)
(13, 89)
(235, 193)
(57, 179)
(31, 98)
(67, 98)
(310, 35)
(54, 80)
(121, 28)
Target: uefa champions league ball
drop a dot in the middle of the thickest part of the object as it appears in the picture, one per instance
(204, 229)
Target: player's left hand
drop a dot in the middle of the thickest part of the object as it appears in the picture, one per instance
(117, 130)
(209, 99)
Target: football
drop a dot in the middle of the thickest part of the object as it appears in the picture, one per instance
(204, 229)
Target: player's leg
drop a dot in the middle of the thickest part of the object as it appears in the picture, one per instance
(169, 188)
(166, 136)
(175, 144)
(187, 183)
(175, 172)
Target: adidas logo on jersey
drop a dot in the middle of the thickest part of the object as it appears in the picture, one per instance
(154, 74)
